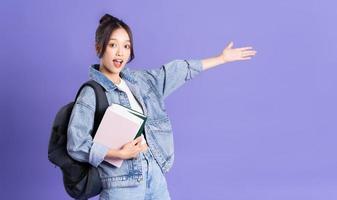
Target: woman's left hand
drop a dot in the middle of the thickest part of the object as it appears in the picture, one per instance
(230, 54)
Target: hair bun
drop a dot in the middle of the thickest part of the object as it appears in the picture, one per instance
(107, 18)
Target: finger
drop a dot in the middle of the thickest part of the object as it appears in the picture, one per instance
(246, 58)
(137, 140)
(230, 45)
(248, 53)
(138, 148)
(142, 140)
(140, 145)
(244, 48)
(143, 147)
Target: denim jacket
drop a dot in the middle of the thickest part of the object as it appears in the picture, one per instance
(150, 87)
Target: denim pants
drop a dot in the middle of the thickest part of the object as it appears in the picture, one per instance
(153, 186)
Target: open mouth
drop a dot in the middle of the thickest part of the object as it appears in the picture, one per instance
(117, 62)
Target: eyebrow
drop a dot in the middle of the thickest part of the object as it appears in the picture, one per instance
(116, 39)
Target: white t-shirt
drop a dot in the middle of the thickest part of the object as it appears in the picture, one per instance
(132, 100)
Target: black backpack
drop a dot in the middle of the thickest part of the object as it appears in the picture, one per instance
(81, 180)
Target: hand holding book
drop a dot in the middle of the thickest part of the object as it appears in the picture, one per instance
(132, 149)
(121, 130)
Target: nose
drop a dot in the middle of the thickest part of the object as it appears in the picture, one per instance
(119, 52)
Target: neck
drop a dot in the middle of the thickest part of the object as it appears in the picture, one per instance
(114, 77)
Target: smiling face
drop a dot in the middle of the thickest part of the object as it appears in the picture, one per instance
(116, 55)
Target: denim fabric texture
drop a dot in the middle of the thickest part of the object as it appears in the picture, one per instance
(152, 187)
(150, 88)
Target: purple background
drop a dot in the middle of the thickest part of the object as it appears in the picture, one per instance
(260, 129)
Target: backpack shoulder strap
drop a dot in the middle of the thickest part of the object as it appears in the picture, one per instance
(101, 102)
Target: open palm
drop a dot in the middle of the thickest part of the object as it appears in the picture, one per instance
(230, 54)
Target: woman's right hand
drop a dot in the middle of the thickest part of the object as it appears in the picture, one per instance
(132, 149)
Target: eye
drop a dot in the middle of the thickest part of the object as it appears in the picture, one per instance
(113, 45)
(127, 46)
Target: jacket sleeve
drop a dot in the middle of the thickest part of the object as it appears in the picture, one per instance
(80, 145)
(173, 74)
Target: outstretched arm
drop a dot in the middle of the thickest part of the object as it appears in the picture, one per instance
(229, 54)
(174, 74)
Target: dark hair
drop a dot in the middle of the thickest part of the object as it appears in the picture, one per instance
(107, 24)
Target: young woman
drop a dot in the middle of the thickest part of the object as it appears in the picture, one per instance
(149, 157)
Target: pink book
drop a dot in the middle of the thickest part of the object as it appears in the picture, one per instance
(118, 126)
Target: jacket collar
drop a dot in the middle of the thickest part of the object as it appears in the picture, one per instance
(108, 85)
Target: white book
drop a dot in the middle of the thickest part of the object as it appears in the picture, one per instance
(119, 126)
